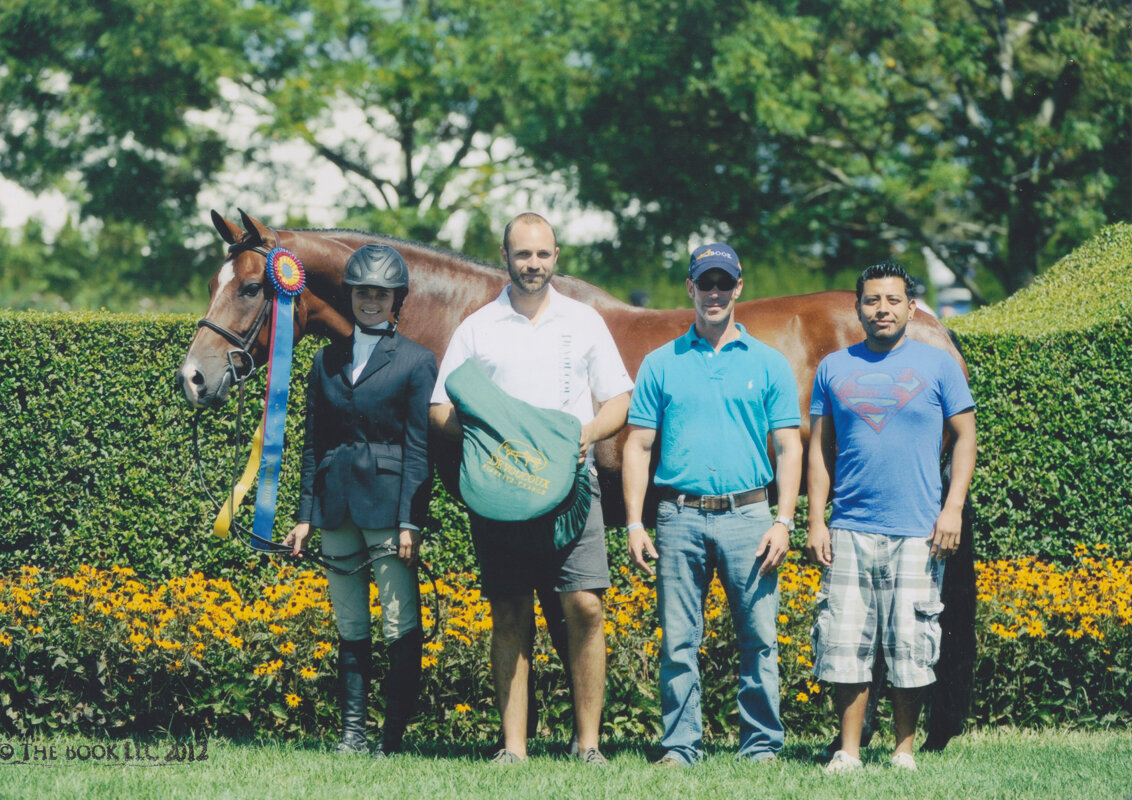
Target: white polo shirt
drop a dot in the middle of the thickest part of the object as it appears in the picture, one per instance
(566, 361)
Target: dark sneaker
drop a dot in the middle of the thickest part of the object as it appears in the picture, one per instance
(592, 756)
(505, 756)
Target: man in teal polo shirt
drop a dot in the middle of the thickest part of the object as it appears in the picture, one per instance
(713, 396)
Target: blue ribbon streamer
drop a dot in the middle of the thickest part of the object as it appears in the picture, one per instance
(274, 414)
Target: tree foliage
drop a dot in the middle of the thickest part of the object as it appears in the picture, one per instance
(816, 135)
(405, 98)
(824, 135)
(95, 100)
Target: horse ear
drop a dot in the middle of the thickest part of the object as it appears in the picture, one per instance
(257, 229)
(229, 231)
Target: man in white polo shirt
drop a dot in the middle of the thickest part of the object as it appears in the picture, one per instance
(552, 352)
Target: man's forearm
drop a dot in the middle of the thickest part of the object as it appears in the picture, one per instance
(788, 469)
(635, 459)
(610, 418)
(819, 468)
(963, 456)
(442, 418)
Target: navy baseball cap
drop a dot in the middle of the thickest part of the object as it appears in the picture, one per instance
(714, 256)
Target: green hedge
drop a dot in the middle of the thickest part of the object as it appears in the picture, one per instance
(97, 455)
(97, 467)
(1051, 371)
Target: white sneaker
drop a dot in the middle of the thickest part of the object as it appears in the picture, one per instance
(842, 762)
(904, 761)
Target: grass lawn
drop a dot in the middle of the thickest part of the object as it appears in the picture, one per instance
(994, 764)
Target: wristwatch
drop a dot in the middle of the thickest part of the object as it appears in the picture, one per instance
(787, 522)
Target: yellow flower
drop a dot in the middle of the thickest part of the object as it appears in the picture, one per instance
(270, 668)
(293, 700)
(306, 673)
(463, 708)
(287, 648)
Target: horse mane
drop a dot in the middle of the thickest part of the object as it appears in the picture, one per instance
(569, 285)
(396, 240)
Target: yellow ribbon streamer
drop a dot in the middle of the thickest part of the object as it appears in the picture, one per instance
(224, 516)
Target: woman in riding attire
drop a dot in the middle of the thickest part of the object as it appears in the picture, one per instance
(365, 484)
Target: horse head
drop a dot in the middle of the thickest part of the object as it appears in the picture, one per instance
(232, 338)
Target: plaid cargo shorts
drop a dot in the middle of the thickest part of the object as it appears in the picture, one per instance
(884, 588)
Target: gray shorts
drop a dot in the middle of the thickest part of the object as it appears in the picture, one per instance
(879, 589)
(509, 569)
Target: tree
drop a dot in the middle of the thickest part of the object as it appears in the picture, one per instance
(826, 135)
(816, 135)
(405, 98)
(96, 100)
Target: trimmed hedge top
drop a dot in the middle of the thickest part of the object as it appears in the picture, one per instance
(1090, 286)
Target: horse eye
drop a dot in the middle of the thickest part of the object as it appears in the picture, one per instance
(251, 289)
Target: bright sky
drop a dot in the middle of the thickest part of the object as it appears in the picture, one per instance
(18, 206)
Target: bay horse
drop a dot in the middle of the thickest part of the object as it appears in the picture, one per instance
(446, 287)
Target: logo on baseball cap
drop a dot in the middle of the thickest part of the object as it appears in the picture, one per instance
(714, 256)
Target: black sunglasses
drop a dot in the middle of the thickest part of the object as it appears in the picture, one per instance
(725, 283)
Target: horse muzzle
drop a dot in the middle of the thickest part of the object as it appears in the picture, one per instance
(199, 390)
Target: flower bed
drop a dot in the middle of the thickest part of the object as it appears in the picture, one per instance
(103, 651)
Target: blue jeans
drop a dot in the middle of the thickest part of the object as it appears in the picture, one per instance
(692, 544)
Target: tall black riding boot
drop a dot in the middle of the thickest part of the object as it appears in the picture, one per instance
(353, 686)
(401, 687)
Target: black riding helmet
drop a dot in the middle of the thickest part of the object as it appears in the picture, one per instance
(379, 265)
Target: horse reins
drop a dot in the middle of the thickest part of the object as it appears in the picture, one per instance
(252, 540)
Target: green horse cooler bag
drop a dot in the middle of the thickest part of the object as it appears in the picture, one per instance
(519, 466)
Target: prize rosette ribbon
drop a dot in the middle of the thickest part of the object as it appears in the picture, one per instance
(286, 274)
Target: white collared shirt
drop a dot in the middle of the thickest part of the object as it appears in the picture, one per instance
(363, 349)
(565, 361)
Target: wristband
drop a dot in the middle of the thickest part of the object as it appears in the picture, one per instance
(632, 526)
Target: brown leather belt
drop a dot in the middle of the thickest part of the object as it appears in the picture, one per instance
(722, 502)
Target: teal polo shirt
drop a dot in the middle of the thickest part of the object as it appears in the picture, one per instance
(713, 411)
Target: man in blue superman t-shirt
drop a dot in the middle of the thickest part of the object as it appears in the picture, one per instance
(877, 417)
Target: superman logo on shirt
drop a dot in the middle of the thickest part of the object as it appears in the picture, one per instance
(876, 397)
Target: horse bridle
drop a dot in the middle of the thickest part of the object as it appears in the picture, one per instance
(243, 343)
